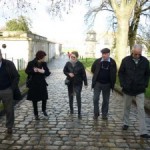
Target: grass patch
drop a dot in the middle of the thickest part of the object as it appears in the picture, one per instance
(23, 77)
(1, 106)
(147, 93)
(87, 62)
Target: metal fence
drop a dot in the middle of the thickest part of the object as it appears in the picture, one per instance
(19, 63)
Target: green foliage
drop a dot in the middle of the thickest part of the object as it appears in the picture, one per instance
(23, 77)
(147, 93)
(1, 106)
(20, 24)
(87, 62)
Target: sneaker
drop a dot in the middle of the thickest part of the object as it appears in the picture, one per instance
(37, 118)
(45, 113)
(9, 130)
(145, 136)
(125, 127)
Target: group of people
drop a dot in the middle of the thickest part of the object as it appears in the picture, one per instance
(37, 70)
(133, 75)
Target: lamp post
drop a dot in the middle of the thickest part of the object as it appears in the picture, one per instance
(4, 46)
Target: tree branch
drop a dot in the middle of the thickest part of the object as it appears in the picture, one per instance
(148, 8)
(144, 2)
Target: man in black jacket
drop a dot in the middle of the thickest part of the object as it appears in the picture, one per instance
(104, 77)
(9, 79)
(134, 78)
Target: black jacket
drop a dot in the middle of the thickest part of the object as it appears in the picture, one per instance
(38, 87)
(12, 72)
(79, 72)
(96, 68)
(13, 77)
(134, 78)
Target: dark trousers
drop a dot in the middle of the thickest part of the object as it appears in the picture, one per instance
(105, 88)
(77, 90)
(35, 106)
(7, 98)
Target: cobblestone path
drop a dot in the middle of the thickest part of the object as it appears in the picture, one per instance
(62, 131)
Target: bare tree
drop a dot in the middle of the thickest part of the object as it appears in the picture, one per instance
(137, 9)
(144, 37)
(18, 6)
(142, 8)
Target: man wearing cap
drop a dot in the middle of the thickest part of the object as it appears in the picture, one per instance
(134, 78)
(9, 79)
(104, 77)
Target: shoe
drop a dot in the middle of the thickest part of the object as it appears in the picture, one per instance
(79, 116)
(71, 112)
(104, 117)
(125, 127)
(9, 130)
(45, 113)
(145, 136)
(95, 117)
(37, 118)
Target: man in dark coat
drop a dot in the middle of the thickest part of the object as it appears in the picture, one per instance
(134, 78)
(104, 77)
(9, 79)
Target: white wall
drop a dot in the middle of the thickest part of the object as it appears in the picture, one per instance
(15, 50)
(51, 50)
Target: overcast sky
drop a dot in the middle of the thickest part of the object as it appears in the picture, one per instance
(71, 28)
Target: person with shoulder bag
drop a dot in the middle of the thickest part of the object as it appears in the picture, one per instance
(76, 75)
(9, 79)
(37, 70)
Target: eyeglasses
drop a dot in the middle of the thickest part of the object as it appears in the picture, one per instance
(73, 57)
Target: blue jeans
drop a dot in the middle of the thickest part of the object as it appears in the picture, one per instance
(105, 88)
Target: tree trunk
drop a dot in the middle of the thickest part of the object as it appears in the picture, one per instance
(123, 10)
(134, 26)
(132, 38)
(122, 39)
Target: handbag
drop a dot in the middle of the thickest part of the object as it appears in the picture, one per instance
(28, 81)
(67, 82)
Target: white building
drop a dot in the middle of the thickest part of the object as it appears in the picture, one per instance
(22, 47)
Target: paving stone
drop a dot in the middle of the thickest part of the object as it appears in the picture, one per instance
(8, 141)
(4, 146)
(52, 147)
(66, 148)
(27, 147)
(16, 147)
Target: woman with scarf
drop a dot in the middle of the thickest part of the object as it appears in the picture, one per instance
(37, 71)
(76, 75)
